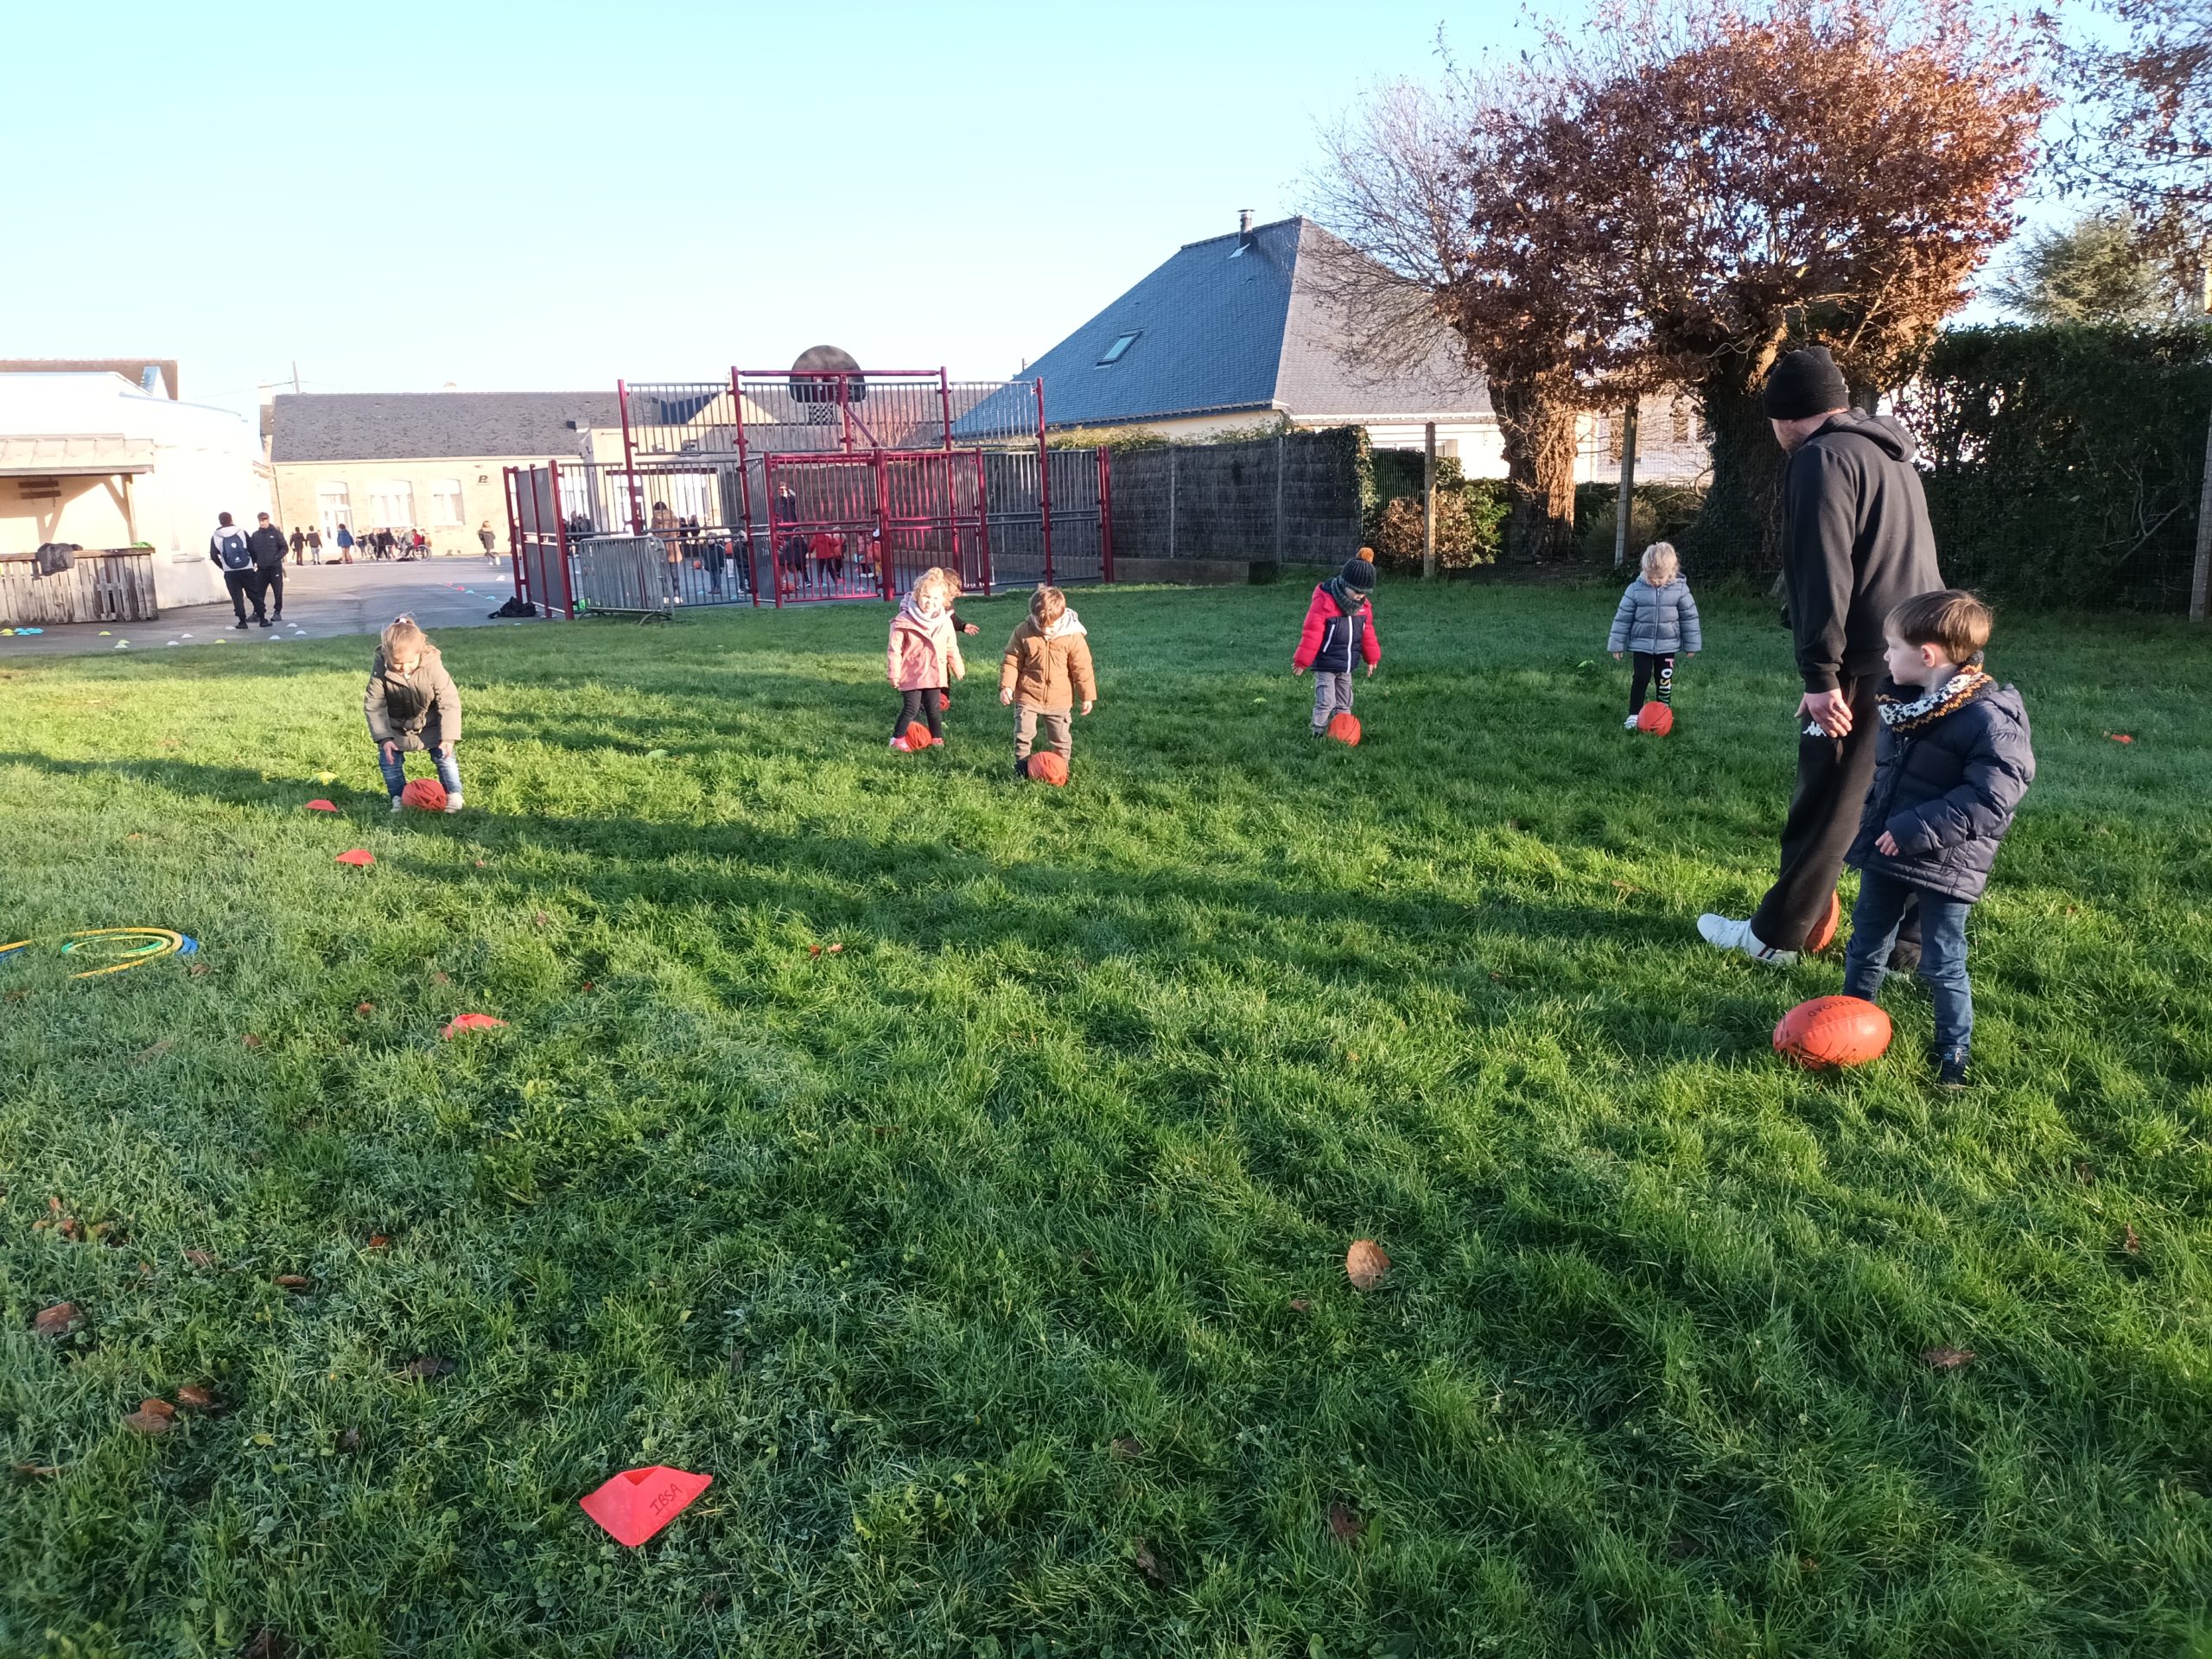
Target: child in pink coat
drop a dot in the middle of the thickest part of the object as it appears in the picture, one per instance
(924, 655)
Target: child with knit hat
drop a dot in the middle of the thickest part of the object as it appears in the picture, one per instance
(1339, 626)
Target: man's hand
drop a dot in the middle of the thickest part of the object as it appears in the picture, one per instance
(1006, 695)
(1089, 704)
(1829, 710)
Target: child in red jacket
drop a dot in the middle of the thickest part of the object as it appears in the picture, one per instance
(1339, 626)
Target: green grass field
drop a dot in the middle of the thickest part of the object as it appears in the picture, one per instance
(993, 1264)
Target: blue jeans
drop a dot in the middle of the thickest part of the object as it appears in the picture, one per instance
(395, 769)
(1882, 901)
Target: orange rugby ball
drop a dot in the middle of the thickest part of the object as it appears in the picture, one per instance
(1655, 718)
(1046, 767)
(1833, 1030)
(1824, 934)
(918, 735)
(1344, 725)
(424, 794)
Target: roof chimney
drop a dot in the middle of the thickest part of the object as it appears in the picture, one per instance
(1243, 227)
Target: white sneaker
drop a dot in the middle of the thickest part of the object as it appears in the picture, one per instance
(394, 804)
(1628, 725)
(1731, 935)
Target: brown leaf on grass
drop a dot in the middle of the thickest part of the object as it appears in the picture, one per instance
(2131, 1240)
(134, 836)
(292, 1280)
(152, 1417)
(378, 1241)
(427, 1366)
(71, 1228)
(1949, 1359)
(266, 1643)
(813, 950)
(585, 986)
(365, 1007)
(155, 1051)
(1299, 1305)
(1365, 1264)
(441, 978)
(198, 969)
(1148, 1564)
(196, 1395)
(542, 919)
(1128, 1447)
(199, 1259)
(38, 1470)
(252, 1041)
(1344, 1524)
(836, 949)
(479, 863)
(57, 1321)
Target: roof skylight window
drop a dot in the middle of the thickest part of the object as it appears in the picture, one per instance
(1118, 350)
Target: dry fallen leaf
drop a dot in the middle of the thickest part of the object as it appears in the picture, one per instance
(835, 949)
(198, 969)
(1365, 1264)
(585, 986)
(813, 950)
(252, 1041)
(266, 1643)
(543, 920)
(57, 1321)
(441, 978)
(2131, 1242)
(198, 1395)
(152, 1417)
(1345, 1523)
(1128, 1447)
(1148, 1564)
(38, 1470)
(1299, 1305)
(365, 1007)
(156, 1050)
(1949, 1359)
(378, 1241)
(428, 1365)
(199, 1259)
(292, 1280)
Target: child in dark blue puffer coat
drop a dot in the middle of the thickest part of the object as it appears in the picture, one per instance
(1952, 762)
(1657, 621)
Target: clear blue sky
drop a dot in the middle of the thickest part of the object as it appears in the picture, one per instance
(513, 196)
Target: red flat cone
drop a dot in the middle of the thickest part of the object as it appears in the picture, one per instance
(322, 806)
(360, 856)
(638, 1503)
(461, 1022)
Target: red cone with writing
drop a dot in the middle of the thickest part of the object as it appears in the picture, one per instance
(638, 1503)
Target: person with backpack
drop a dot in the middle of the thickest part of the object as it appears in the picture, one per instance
(227, 550)
(268, 548)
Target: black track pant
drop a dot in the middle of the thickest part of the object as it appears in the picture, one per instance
(272, 583)
(922, 706)
(1648, 664)
(244, 585)
(1833, 778)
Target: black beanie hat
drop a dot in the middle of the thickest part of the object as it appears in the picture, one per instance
(1805, 382)
(1358, 575)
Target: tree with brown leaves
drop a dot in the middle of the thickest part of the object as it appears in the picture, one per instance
(1800, 172)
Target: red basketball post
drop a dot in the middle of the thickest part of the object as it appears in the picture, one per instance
(514, 533)
(561, 536)
(744, 487)
(983, 521)
(1044, 482)
(944, 403)
(629, 465)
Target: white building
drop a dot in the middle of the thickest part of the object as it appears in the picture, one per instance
(92, 459)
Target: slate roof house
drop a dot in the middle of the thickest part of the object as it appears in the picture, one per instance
(1236, 329)
(431, 460)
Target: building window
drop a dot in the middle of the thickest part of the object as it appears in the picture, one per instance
(334, 506)
(391, 504)
(445, 501)
(1447, 448)
(1119, 349)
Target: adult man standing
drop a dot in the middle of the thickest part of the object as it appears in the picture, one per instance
(1855, 543)
(228, 549)
(268, 549)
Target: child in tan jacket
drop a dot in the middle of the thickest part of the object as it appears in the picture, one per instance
(1045, 672)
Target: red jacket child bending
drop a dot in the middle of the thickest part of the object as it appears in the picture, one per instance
(1340, 624)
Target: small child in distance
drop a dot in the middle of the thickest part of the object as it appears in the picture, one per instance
(411, 705)
(1658, 622)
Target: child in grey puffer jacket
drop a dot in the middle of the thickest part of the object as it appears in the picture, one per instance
(1658, 622)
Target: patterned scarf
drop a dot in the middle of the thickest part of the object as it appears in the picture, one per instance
(1933, 704)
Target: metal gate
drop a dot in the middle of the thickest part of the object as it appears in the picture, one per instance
(863, 526)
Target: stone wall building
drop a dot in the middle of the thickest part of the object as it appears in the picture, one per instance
(432, 461)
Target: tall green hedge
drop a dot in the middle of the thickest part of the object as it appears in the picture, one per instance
(2063, 463)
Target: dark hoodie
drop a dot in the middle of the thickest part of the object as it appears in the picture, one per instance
(1855, 543)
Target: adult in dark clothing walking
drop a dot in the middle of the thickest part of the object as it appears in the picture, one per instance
(268, 549)
(1855, 544)
(229, 550)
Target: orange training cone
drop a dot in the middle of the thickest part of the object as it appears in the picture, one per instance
(638, 1503)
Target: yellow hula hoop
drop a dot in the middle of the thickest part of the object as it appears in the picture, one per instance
(159, 942)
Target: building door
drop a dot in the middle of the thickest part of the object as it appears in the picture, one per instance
(333, 507)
